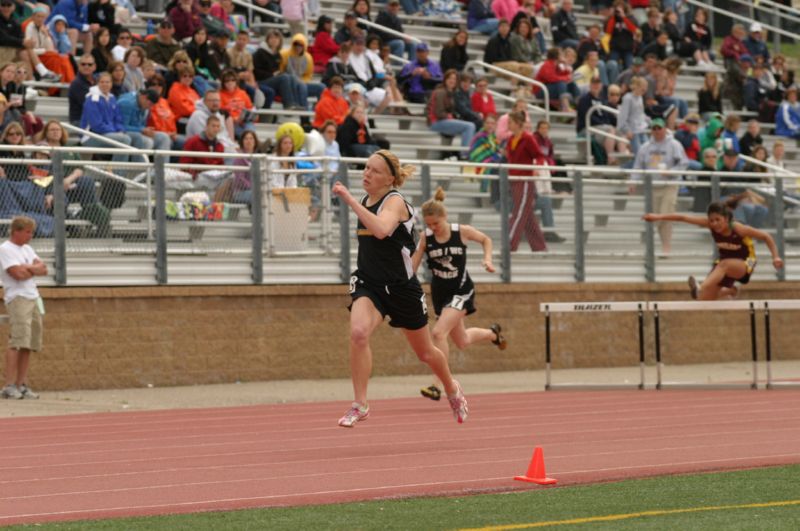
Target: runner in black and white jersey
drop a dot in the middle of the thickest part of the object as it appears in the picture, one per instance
(385, 283)
(452, 289)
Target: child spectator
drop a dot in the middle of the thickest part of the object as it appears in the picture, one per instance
(236, 103)
(332, 105)
(482, 101)
(632, 122)
(751, 138)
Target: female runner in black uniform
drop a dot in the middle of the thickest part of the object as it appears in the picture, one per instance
(452, 289)
(737, 257)
(385, 283)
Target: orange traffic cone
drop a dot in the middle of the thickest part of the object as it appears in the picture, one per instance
(536, 473)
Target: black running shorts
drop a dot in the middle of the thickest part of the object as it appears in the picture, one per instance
(404, 303)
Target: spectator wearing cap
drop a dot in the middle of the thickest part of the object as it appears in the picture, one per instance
(636, 70)
(755, 44)
(332, 104)
(354, 92)
(161, 48)
(349, 30)
(76, 14)
(135, 109)
(733, 46)
(185, 16)
(662, 152)
(480, 17)
(419, 77)
(388, 18)
(787, 118)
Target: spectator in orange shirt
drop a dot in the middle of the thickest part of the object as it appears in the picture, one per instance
(181, 95)
(332, 105)
(236, 102)
(161, 118)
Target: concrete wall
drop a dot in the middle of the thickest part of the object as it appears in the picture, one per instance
(131, 337)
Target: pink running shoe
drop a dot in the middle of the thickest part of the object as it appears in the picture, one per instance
(458, 403)
(356, 413)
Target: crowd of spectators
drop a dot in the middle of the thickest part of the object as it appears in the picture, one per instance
(197, 82)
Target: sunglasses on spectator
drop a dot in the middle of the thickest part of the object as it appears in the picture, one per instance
(87, 64)
(13, 133)
(656, 128)
(124, 38)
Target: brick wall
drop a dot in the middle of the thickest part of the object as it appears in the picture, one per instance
(131, 337)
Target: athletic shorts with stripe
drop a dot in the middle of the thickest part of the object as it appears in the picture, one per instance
(404, 303)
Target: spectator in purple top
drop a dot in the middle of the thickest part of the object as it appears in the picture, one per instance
(419, 77)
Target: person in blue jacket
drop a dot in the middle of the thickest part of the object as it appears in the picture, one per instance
(134, 107)
(101, 115)
(76, 13)
(787, 119)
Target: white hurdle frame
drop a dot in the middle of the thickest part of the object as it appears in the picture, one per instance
(592, 307)
(667, 306)
(768, 305)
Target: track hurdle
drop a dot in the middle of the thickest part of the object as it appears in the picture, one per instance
(591, 307)
(784, 304)
(681, 306)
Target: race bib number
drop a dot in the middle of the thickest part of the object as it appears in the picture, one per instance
(424, 304)
(353, 283)
(458, 302)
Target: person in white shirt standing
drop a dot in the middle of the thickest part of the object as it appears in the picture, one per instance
(20, 264)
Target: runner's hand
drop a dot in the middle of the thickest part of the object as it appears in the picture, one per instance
(777, 262)
(488, 266)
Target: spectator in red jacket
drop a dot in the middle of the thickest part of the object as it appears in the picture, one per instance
(557, 76)
(733, 45)
(522, 149)
(206, 142)
(482, 101)
(324, 47)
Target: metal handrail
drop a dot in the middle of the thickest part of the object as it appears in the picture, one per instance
(257, 9)
(743, 18)
(504, 97)
(769, 7)
(590, 129)
(389, 31)
(519, 77)
(780, 7)
(101, 138)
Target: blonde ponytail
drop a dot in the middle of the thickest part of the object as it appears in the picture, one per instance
(435, 205)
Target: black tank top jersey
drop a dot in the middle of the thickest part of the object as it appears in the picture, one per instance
(734, 246)
(447, 261)
(386, 261)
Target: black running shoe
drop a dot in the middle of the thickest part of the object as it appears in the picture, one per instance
(498, 340)
(431, 392)
(693, 287)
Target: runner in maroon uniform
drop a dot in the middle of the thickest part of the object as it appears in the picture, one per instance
(737, 256)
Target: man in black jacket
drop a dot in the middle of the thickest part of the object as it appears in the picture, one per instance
(498, 51)
(564, 26)
(388, 18)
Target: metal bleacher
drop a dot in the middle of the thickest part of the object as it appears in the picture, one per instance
(220, 253)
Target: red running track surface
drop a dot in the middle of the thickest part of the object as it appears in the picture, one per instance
(177, 461)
